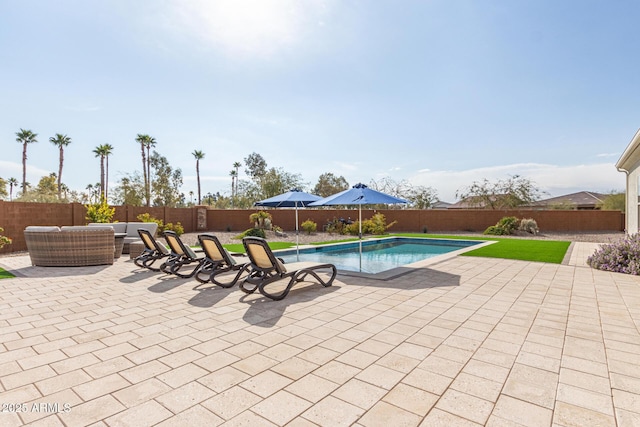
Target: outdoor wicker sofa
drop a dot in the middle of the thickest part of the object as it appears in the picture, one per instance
(70, 246)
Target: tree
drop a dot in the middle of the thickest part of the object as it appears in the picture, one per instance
(502, 194)
(234, 190)
(108, 150)
(167, 183)
(130, 191)
(45, 192)
(256, 166)
(198, 156)
(422, 197)
(146, 142)
(329, 184)
(12, 183)
(3, 188)
(615, 201)
(25, 137)
(60, 141)
(234, 177)
(102, 151)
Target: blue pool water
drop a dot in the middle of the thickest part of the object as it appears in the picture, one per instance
(377, 255)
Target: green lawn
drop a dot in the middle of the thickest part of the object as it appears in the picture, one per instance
(551, 251)
(4, 274)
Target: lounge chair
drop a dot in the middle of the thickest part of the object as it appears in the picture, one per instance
(218, 261)
(153, 251)
(266, 269)
(180, 256)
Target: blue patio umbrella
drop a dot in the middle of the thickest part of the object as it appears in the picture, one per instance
(291, 199)
(359, 195)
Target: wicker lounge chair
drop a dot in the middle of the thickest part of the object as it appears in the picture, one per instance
(153, 251)
(266, 269)
(218, 261)
(180, 256)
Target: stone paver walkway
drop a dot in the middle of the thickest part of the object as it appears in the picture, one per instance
(468, 341)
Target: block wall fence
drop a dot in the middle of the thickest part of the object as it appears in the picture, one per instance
(15, 216)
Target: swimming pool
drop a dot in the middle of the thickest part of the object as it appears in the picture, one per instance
(378, 255)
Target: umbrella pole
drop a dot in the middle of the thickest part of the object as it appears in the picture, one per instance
(297, 232)
(360, 233)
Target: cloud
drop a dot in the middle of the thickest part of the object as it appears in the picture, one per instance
(245, 28)
(608, 155)
(552, 179)
(14, 170)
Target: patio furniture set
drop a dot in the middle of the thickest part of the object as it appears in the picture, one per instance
(100, 244)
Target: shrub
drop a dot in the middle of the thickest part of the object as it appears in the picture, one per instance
(529, 225)
(377, 224)
(100, 212)
(4, 240)
(335, 226)
(261, 219)
(177, 228)
(309, 226)
(620, 257)
(507, 225)
(253, 232)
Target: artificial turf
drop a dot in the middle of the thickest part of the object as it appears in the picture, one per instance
(4, 274)
(551, 251)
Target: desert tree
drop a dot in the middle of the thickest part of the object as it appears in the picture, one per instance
(25, 137)
(60, 141)
(502, 194)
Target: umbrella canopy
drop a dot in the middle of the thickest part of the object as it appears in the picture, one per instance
(359, 195)
(291, 199)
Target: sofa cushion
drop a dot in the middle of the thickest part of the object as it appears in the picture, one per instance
(84, 228)
(118, 227)
(42, 228)
(132, 228)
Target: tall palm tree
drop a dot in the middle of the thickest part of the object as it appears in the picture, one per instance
(12, 183)
(233, 174)
(25, 137)
(108, 150)
(147, 142)
(101, 151)
(61, 141)
(236, 166)
(198, 156)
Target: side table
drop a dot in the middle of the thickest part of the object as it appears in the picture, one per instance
(135, 248)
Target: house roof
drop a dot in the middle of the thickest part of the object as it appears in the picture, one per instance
(631, 155)
(581, 199)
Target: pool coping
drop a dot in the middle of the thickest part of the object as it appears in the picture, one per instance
(395, 272)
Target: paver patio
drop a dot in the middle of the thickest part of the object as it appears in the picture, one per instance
(466, 341)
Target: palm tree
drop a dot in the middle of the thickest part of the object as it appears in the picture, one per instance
(102, 152)
(108, 150)
(198, 156)
(12, 183)
(233, 174)
(61, 141)
(25, 137)
(147, 142)
(234, 190)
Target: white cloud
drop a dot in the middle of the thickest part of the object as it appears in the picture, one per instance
(14, 170)
(245, 28)
(552, 179)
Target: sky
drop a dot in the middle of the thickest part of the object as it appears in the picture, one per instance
(440, 93)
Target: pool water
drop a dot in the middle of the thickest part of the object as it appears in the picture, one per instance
(377, 255)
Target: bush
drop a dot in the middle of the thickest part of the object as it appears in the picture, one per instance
(177, 228)
(309, 226)
(507, 225)
(261, 219)
(253, 232)
(529, 225)
(377, 224)
(100, 212)
(620, 257)
(4, 240)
